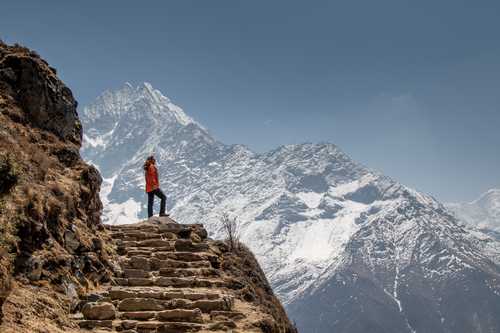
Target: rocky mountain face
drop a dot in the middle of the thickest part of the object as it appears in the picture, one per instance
(482, 213)
(52, 244)
(345, 248)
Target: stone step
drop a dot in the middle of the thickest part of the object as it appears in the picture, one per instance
(181, 230)
(119, 293)
(150, 243)
(158, 264)
(138, 315)
(143, 251)
(184, 272)
(134, 228)
(175, 315)
(91, 324)
(160, 326)
(180, 245)
(153, 304)
(187, 245)
(140, 235)
(154, 264)
(174, 282)
(136, 262)
(136, 273)
(168, 263)
(186, 256)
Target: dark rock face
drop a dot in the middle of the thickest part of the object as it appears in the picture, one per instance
(46, 101)
(90, 186)
(50, 229)
(366, 194)
(354, 305)
(8, 176)
(359, 305)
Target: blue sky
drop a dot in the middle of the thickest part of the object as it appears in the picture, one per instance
(409, 88)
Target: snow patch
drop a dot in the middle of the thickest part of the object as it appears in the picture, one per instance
(117, 213)
(122, 213)
(324, 239)
(311, 199)
(343, 189)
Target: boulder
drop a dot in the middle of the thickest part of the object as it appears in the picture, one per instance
(34, 271)
(99, 311)
(139, 263)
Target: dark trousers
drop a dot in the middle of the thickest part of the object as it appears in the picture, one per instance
(151, 198)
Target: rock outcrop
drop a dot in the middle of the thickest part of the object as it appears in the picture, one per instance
(52, 244)
(174, 279)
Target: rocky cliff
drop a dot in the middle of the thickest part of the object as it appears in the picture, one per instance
(52, 244)
(56, 256)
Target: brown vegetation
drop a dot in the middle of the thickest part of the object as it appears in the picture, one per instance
(231, 229)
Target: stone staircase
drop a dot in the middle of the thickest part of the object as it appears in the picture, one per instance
(170, 281)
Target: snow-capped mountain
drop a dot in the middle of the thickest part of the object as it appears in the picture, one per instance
(483, 213)
(345, 248)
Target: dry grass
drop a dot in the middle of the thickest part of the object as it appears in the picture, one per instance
(41, 161)
(37, 309)
(230, 226)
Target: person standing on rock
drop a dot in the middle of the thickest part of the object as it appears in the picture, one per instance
(153, 186)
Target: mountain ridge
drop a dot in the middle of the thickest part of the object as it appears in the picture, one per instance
(482, 213)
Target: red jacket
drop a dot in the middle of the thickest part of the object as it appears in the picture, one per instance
(152, 182)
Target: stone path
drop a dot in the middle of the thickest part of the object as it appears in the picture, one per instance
(170, 282)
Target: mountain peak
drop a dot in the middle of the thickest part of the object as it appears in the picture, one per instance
(484, 212)
(128, 85)
(142, 98)
(490, 200)
(147, 89)
(493, 191)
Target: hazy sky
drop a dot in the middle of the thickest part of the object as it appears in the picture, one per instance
(409, 88)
